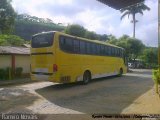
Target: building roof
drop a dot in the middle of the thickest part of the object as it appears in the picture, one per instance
(26, 45)
(14, 50)
(119, 4)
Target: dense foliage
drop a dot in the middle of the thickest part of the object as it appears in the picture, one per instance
(26, 26)
(7, 17)
(135, 49)
(156, 79)
(132, 46)
(7, 73)
(75, 30)
(91, 35)
(150, 56)
(80, 31)
(11, 40)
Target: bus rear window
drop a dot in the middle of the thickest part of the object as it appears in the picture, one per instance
(42, 40)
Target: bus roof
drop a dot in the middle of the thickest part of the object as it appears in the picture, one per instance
(85, 39)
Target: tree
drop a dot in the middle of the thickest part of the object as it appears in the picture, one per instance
(91, 35)
(150, 56)
(103, 37)
(124, 37)
(75, 30)
(7, 16)
(132, 46)
(133, 10)
(135, 48)
(112, 39)
(11, 40)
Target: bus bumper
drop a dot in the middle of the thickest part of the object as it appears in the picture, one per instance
(39, 77)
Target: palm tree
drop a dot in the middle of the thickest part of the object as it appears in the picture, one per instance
(133, 10)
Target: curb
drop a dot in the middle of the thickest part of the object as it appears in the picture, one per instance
(16, 82)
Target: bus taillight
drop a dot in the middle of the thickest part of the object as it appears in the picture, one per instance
(55, 68)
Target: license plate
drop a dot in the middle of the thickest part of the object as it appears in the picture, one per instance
(42, 70)
(41, 77)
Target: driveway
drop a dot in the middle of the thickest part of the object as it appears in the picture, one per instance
(111, 95)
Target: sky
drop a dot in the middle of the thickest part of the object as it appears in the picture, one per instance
(94, 16)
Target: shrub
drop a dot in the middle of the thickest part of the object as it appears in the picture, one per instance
(19, 71)
(7, 71)
(2, 74)
(156, 78)
(12, 40)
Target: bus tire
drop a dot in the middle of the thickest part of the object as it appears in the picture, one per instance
(120, 72)
(86, 77)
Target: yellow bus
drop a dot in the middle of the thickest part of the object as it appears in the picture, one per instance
(63, 58)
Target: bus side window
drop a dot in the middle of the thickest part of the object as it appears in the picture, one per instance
(112, 52)
(102, 52)
(119, 52)
(109, 51)
(91, 49)
(82, 47)
(88, 51)
(121, 55)
(94, 49)
(98, 49)
(116, 52)
(76, 46)
(66, 44)
(62, 42)
(106, 51)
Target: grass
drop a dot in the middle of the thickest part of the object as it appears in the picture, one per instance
(156, 79)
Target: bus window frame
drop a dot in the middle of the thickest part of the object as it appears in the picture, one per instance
(110, 49)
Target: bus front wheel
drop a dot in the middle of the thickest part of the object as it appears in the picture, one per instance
(86, 77)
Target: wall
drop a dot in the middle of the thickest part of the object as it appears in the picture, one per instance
(20, 61)
(24, 62)
(5, 61)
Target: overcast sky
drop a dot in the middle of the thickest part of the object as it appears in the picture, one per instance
(94, 16)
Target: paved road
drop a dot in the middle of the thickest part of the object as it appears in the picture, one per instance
(105, 95)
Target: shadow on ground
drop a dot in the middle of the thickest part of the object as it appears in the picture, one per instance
(106, 95)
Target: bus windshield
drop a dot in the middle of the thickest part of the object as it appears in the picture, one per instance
(42, 40)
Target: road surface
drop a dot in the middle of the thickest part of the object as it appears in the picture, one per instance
(112, 95)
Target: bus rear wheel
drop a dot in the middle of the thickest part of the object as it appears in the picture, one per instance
(120, 72)
(86, 77)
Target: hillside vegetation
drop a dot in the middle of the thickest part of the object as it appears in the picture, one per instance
(26, 26)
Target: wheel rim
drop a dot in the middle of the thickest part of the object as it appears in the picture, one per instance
(121, 71)
(86, 78)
